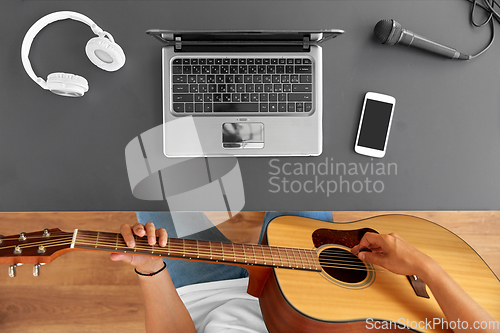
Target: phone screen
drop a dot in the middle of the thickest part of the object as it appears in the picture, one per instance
(375, 124)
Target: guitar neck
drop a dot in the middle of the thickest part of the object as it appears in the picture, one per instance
(196, 250)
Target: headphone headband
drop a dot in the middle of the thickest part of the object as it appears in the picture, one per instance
(42, 23)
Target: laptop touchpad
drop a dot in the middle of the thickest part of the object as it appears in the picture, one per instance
(242, 135)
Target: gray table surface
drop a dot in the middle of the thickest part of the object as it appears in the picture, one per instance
(63, 154)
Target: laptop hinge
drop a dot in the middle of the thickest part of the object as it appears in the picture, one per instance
(306, 44)
(178, 43)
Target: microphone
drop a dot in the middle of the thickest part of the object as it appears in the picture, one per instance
(391, 32)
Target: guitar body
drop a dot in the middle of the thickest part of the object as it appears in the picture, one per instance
(306, 301)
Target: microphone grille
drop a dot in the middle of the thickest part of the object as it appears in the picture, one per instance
(388, 31)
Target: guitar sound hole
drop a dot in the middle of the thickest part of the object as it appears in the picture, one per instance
(342, 265)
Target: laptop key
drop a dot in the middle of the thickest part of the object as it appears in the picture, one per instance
(182, 98)
(301, 87)
(306, 78)
(180, 88)
(300, 97)
(207, 107)
(177, 69)
(236, 107)
(179, 107)
(303, 69)
(180, 78)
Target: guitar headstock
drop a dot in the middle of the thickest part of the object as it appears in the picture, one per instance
(36, 248)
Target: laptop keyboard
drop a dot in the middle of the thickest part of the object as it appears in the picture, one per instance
(225, 85)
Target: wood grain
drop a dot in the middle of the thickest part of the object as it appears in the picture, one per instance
(388, 296)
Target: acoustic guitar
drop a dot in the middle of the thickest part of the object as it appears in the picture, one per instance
(305, 277)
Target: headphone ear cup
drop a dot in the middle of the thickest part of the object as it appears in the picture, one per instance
(65, 84)
(105, 54)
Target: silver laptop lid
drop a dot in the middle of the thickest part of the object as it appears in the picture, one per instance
(302, 38)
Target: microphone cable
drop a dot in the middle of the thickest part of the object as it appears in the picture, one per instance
(489, 7)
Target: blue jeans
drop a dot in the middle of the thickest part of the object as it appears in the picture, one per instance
(184, 272)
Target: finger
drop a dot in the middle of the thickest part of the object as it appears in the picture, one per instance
(139, 229)
(162, 237)
(127, 235)
(150, 233)
(370, 240)
(372, 258)
(120, 256)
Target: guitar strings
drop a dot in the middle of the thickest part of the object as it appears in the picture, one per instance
(212, 251)
(331, 262)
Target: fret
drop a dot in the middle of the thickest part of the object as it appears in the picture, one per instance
(308, 254)
(244, 253)
(279, 255)
(254, 257)
(204, 250)
(237, 252)
(266, 250)
(295, 263)
(183, 248)
(197, 250)
(247, 251)
(96, 240)
(273, 256)
(168, 246)
(135, 243)
(116, 244)
(263, 262)
(189, 248)
(288, 256)
(300, 256)
(315, 260)
(234, 253)
(218, 251)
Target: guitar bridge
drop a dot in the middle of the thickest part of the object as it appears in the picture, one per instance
(419, 286)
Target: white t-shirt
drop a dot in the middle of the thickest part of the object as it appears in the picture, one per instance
(223, 306)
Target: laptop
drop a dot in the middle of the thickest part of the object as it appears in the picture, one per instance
(242, 93)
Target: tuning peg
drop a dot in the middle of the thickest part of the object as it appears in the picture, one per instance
(46, 233)
(12, 271)
(36, 270)
(1, 240)
(22, 236)
(17, 250)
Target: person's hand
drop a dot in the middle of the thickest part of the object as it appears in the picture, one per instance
(143, 264)
(393, 253)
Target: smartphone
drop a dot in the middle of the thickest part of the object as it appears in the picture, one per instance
(374, 125)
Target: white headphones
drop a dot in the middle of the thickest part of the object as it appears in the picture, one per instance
(102, 51)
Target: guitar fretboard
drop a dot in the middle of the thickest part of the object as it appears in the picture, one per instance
(222, 252)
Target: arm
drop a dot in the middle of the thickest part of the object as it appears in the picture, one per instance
(396, 255)
(165, 311)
